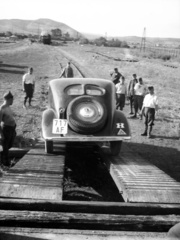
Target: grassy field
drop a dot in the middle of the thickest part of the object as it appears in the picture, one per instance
(162, 150)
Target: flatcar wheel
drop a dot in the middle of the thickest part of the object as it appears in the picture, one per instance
(115, 147)
(48, 146)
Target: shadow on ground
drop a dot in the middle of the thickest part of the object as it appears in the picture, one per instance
(12, 71)
(12, 66)
(8, 68)
(11, 236)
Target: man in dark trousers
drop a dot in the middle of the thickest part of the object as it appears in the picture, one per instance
(150, 105)
(28, 86)
(67, 71)
(115, 76)
(130, 92)
(7, 128)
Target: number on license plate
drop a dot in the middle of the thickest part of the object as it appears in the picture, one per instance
(60, 126)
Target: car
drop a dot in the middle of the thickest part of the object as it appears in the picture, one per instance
(83, 110)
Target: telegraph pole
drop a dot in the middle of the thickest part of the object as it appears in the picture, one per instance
(143, 41)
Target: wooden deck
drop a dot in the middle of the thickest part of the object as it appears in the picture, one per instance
(36, 176)
(140, 181)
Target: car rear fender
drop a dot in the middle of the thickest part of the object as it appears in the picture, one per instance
(47, 122)
(121, 125)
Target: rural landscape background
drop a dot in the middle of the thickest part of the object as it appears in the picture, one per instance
(158, 66)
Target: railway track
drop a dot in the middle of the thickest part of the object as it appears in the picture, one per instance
(36, 200)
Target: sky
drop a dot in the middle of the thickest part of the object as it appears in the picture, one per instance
(159, 18)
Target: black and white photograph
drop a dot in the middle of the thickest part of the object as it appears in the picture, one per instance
(89, 119)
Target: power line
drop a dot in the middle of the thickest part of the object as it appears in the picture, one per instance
(143, 41)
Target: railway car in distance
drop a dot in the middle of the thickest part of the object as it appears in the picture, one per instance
(83, 110)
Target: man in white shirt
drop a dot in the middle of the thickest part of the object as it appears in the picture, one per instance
(139, 93)
(28, 86)
(150, 105)
(120, 93)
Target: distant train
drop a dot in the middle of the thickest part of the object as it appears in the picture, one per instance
(45, 38)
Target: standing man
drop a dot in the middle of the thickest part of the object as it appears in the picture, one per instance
(67, 71)
(130, 92)
(115, 76)
(28, 86)
(120, 93)
(7, 128)
(150, 105)
(139, 93)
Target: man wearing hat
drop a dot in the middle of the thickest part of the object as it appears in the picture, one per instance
(150, 105)
(7, 127)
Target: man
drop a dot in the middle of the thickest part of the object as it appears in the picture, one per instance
(67, 71)
(150, 105)
(120, 93)
(28, 86)
(130, 92)
(7, 128)
(139, 93)
(115, 76)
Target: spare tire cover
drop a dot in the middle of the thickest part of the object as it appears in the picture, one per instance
(86, 115)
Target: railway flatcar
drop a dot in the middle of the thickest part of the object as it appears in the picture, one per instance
(83, 110)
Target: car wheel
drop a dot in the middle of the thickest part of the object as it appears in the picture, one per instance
(48, 146)
(86, 115)
(115, 147)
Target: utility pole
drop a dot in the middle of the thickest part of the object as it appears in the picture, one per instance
(143, 41)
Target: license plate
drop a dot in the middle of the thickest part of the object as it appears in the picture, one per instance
(60, 126)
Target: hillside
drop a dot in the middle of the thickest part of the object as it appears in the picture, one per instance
(34, 26)
(46, 25)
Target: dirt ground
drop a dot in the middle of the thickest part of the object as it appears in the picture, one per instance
(163, 149)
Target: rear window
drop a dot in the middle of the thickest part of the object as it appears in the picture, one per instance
(89, 89)
(95, 90)
(76, 89)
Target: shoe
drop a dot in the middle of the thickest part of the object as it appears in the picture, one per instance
(134, 116)
(24, 106)
(131, 113)
(144, 134)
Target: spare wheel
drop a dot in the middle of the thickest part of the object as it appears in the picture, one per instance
(86, 115)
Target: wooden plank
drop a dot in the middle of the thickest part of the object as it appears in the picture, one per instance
(11, 233)
(90, 207)
(32, 192)
(87, 221)
(36, 176)
(140, 181)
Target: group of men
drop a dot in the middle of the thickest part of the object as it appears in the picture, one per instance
(141, 99)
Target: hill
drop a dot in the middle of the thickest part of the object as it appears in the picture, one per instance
(34, 26)
(171, 42)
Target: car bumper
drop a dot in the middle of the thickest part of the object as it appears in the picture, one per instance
(87, 139)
